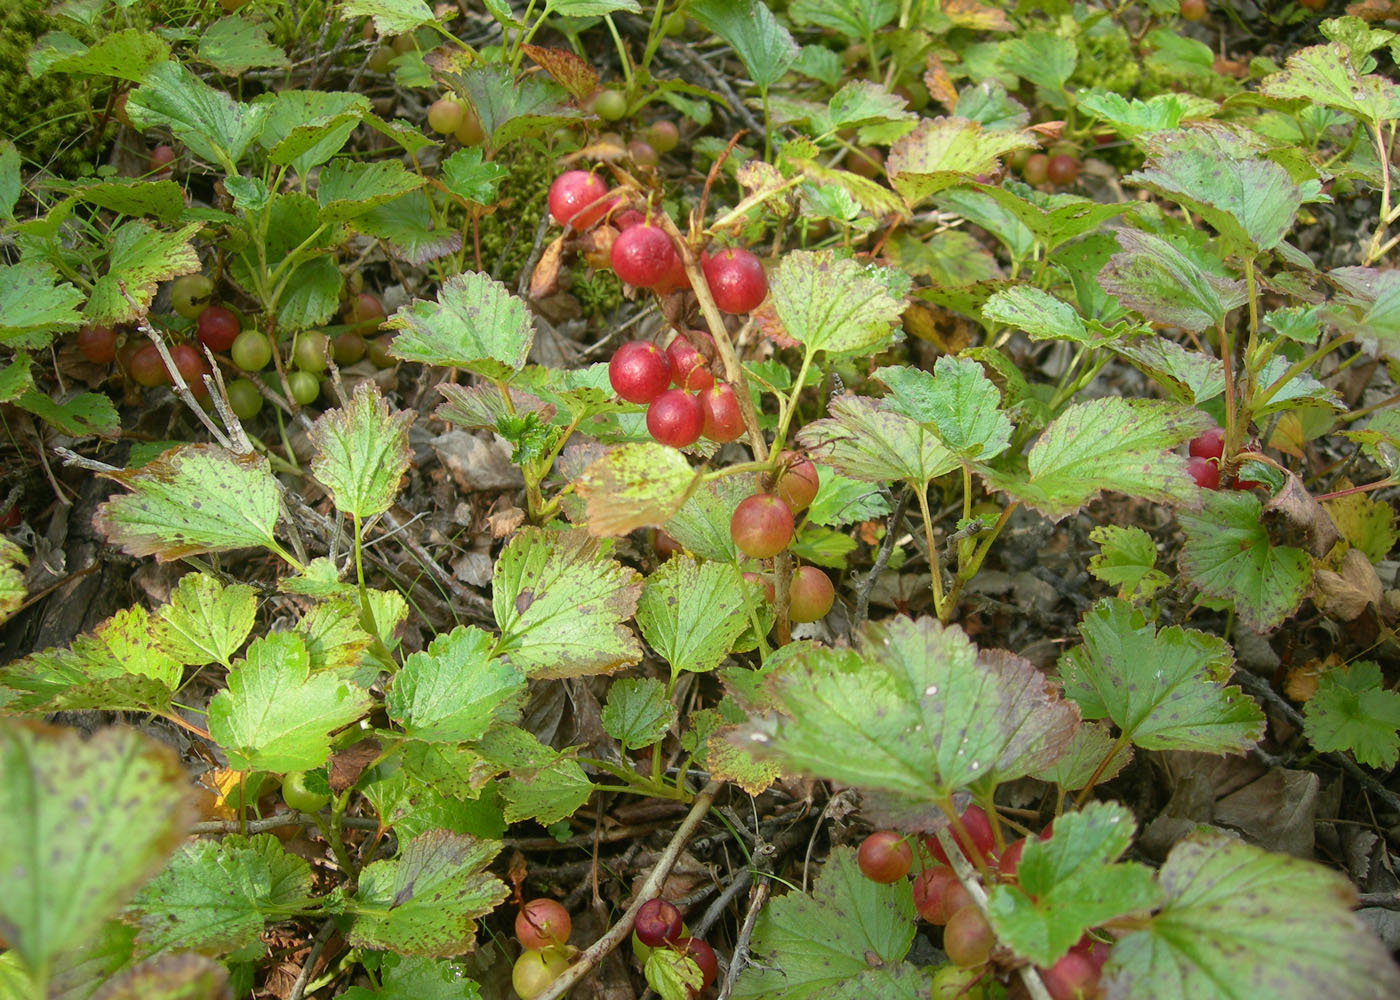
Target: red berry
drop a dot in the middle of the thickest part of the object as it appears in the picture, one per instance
(720, 409)
(573, 199)
(938, 894)
(643, 255)
(761, 526)
(98, 344)
(810, 595)
(703, 956)
(639, 371)
(675, 418)
(763, 582)
(884, 857)
(628, 218)
(967, 938)
(364, 313)
(642, 153)
(1192, 10)
(1010, 858)
(542, 923)
(978, 827)
(1062, 169)
(689, 369)
(146, 367)
(736, 279)
(1208, 444)
(674, 278)
(663, 135)
(192, 367)
(658, 922)
(1073, 977)
(1036, 170)
(217, 328)
(1246, 484)
(1204, 471)
(161, 159)
(797, 480)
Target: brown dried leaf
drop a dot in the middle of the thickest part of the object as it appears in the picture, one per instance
(939, 83)
(1346, 595)
(1294, 518)
(347, 765)
(544, 280)
(573, 73)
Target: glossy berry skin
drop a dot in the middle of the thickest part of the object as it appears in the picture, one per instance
(217, 328)
(161, 159)
(445, 116)
(572, 199)
(643, 255)
(299, 797)
(98, 344)
(470, 132)
(761, 526)
(534, 971)
(642, 154)
(658, 922)
(190, 293)
(967, 938)
(797, 480)
(309, 351)
(978, 827)
(675, 277)
(663, 135)
(1010, 858)
(192, 368)
(737, 281)
(810, 595)
(938, 894)
(610, 105)
(689, 369)
(720, 409)
(703, 956)
(1062, 169)
(1208, 444)
(251, 351)
(1205, 471)
(639, 371)
(304, 387)
(347, 348)
(1192, 10)
(364, 313)
(146, 367)
(628, 218)
(377, 350)
(675, 418)
(542, 923)
(244, 398)
(884, 857)
(1073, 977)
(1037, 169)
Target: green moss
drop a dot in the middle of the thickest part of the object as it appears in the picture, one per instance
(51, 118)
(1106, 60)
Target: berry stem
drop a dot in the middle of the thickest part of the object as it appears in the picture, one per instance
(941, 607)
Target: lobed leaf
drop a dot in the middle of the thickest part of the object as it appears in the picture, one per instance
(692, 613)
(361, 452)
(454, 690)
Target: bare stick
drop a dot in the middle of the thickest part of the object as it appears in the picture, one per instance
(616, 934)
(317, 946)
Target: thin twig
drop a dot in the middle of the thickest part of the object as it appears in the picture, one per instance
(882, 559)
(275, 821)
(619, 931)
(318, 945)
(718, 81)
(740, 957)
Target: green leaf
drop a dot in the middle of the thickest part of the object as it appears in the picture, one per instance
(163, 200)
(1045, 59)
(1124, 445)
(426, 901)
(1249, 200)
(855, 20)
(467, 175)
(1051, 219)
(232, 45)
(346, 189)
(476, 324)
(547, 794)
(863, 440)
(634, 485)
(1367, 524)
(691, 613)
(860, 103)
(561, 603)
(1127, 560)
(915, 713)
(1241, 923)
(12, 589)
(278, 716)
(1038, 313)
(1166, 285)
(454, 691)
(839, 501)
(193, 499)
(1368, 307)
(212, 124)
(957, 400)
(591, 8)
(1186, 376)
(216, 896)
(943, 152)
(510, 106)
(1133, 117)
(1070, 883)
(168, 977)
(120, 665)
(391, 17)
(849, 932)
(702, 523)
(834, 304)
(125, 54)
(139, 258)
(1229, 556)
(1164, 690)
(306, 128)
(91, 819)
(672, 974)
(11, 183)
(408, 977)
(764, 45)
(1352, 710)
(84, 414)
(1083, 760)
(361, 452)
(638, 712)
(35, 305)
(1324, 75)
(205, 621)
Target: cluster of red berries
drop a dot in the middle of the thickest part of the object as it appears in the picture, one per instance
(698, 406)
(1205, 453)
(542, 927)
(659, 924)
(762, 526)
(941, 899)
(642, 254)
